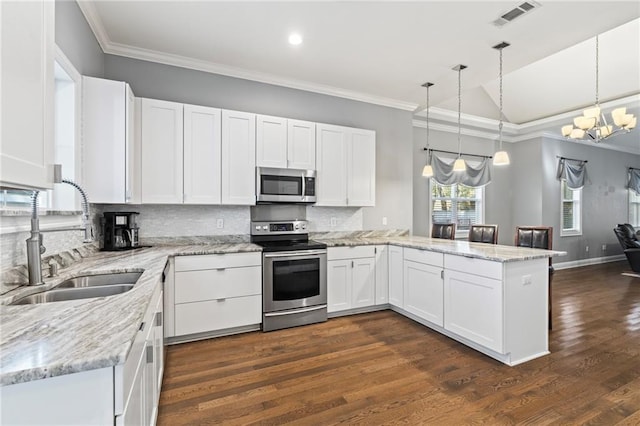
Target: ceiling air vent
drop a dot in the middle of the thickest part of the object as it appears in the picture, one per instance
(516, 12)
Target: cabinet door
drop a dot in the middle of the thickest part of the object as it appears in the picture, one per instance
(133, 158)
(363, 283)
(161, 145)
(238, 158)
(382, 274)
(202, 155)
(271, 141)
(301, 145)
(331, 165)
(134, 410)
(27, 81)
(158, 346)
(396, 282)
(104, 137)
(338, 285)
(473, 308)
(423, 291)
(361, 157)
(149, 385)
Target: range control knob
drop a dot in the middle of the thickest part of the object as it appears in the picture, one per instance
(257, 227)
(304, 226)
(265, 228)
(297, 226)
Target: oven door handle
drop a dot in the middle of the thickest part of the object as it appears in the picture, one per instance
(296, 311)
(296, 253)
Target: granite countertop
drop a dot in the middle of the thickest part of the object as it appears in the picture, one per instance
(53, 339)
(497, 253)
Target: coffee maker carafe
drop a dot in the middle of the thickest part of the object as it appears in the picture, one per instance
(120, 231)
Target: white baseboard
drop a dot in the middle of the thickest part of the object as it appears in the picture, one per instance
(590, 261)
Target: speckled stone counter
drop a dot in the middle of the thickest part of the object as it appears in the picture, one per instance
(51, 339)
(497, 253)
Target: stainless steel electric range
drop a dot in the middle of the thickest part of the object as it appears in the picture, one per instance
(294, 274)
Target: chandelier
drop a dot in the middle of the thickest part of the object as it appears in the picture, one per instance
(592, 125)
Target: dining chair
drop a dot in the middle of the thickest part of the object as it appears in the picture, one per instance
(445, 231)
(483, 234)
(537, 237)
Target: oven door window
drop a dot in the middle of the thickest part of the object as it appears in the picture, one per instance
(296, 279)
(281, 185)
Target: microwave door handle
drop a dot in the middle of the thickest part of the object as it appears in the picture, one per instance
(304, 186)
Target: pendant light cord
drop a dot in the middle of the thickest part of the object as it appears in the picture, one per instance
(428, 152)
(500, 124)
(597, 71)
(459, 108)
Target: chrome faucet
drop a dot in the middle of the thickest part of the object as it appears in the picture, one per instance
(35, 249)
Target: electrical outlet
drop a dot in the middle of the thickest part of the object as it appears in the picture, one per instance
(586, 249)
(220, 223)
(604, 247)
(334, 221)
(526, 279)
(384, 220)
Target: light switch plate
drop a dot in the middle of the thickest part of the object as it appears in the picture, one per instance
(220, 223)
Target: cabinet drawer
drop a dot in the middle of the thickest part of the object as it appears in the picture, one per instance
(354, 252)
(196, 286)
(213, 261)
(424, 256)
(212, 315)
(470, 265)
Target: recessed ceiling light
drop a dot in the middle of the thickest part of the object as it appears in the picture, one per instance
(295, 39)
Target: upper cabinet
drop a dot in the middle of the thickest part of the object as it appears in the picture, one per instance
(239, 158)
(111, 151)
(27, 81)
(202, 155)
(285, 143)
(161, 142)
(346, 166)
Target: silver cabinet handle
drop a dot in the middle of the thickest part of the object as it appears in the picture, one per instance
(221, 299)
(158, 319)
(149, 354)
(220, 269)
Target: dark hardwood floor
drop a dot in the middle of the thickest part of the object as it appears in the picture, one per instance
(383, 368)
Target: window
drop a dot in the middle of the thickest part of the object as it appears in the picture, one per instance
(571, 211)
(457, 204)
(634, 208)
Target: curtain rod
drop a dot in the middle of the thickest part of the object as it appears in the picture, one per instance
(455, 153)
(633, 168)
(572, 159)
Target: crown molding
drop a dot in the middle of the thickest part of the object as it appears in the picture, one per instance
(463, 130)
(88, 9)
(468, 120)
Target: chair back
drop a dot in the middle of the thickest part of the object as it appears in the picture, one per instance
(445, 231)
(483, 234)
(626, 236)
(534, 236)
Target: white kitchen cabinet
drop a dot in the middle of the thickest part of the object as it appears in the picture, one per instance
(212, 293)
(361, 168)
(202, 155)
(27, 105)
(238, 158)
(110, 150)
(382, 274)
(350, 278)
(423, 291)
(396, 281)
(162, 152)
(473, 306)
(345, 162)
(285, 143)
(301, 145)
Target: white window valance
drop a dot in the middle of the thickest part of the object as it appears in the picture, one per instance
(574, 172)
(634, 180)
(473, 176)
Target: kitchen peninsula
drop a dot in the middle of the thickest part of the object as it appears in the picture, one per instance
(491, 298)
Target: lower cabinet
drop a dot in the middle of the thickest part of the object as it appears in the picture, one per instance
(474, 309)
(350, 278)
(396, 281)
(423, 291)
(382, 274)
(138, 381)
(210, 293)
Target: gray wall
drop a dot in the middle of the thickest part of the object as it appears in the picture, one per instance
(392, 126)
(76, 40)
(604, 198)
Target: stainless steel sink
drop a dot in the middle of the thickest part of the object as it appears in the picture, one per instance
(58, 295)
(100, 280)
(84, 287)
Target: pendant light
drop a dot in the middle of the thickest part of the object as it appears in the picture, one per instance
(427, 171)
(501, 157)
(459, 165)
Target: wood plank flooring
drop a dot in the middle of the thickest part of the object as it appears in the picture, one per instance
(382, 368)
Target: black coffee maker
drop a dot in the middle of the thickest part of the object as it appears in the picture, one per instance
(120, 231)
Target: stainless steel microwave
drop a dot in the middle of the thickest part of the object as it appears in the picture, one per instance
(285, 185)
